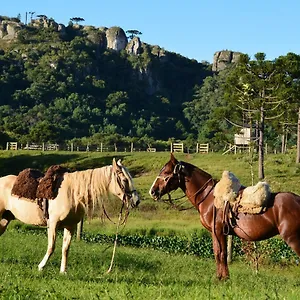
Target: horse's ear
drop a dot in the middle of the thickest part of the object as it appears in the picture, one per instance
(119, 163)
(173, 159)
(114, 164)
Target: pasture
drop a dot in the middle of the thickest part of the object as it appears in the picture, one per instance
(141, 273)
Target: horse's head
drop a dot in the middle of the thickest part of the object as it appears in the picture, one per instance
(123, 184)
(168, 179)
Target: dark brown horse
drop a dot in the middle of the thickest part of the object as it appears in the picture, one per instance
(282, 216)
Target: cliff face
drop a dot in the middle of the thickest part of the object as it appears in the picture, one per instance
(223, 58)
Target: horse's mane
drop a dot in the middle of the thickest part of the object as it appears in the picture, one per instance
(193, 168)
(89, 187)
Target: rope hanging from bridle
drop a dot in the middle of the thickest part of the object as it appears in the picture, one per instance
(120, 222)
(116, 240)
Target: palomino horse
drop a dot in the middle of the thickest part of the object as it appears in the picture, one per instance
(78, 191)
(281, 217)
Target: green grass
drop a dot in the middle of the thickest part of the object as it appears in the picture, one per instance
(142, 273)
(137, 274)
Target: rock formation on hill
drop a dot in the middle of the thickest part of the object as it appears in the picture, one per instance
(223, 58)
(9, 29)
(112, 38)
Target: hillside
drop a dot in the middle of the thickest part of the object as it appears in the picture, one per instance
(62, 83)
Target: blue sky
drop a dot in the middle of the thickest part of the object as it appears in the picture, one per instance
(193, 28)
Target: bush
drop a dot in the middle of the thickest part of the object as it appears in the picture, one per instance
(198, 243)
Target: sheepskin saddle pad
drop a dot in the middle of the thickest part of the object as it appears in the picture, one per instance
(33, 184)
(252, 199)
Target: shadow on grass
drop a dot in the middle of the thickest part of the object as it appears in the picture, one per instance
(75, 162)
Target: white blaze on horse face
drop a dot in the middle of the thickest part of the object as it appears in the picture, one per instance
(155, 192)
(151, 189)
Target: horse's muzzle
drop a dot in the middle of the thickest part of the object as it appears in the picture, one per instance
(134, 199)
(135, 204)
(155, 194)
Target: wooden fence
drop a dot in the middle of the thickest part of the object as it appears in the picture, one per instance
(101, 147)
(177, 147)
(202, 148)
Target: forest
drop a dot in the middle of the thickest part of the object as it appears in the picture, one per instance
(69, 88)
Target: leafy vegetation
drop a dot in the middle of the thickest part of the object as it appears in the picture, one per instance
(62, 85)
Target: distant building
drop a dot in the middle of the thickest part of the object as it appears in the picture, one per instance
(244, 137)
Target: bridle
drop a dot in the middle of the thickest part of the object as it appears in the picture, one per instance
(125, 203)
(127, 193)
(177, 170)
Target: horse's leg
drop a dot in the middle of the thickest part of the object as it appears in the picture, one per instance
(7, 216)
(293, 240)
(68, 232)
(51, 244)
(220, 250)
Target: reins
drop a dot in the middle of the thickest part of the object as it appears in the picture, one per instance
(125, 201)
(201, 189)
(126, 193)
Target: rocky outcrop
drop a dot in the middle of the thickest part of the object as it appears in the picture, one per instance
(160, 53)
(134, 46)
(61, 28)
(223, 58)
(96, 35)
(113, 38)
(44, 22)
(116, 38)
(9, 29)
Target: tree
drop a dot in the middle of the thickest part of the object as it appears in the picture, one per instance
(255, 87)
(77, 19)
(133, 33)
(31, 13)
(43, 132)
(291, 66)
(19, 17)
(43, 17)
(207, 112)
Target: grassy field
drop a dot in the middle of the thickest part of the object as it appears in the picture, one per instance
(137, 274)
(142, 273)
